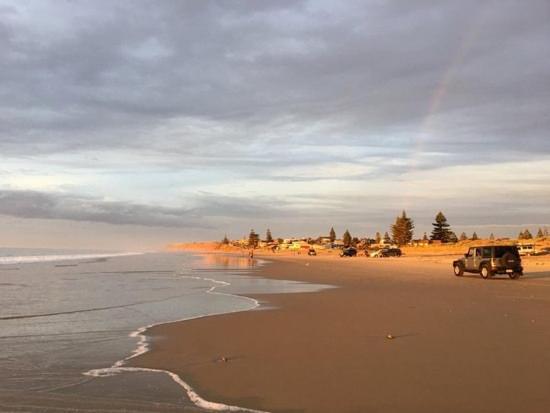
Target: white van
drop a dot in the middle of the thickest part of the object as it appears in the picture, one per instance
(526, 249)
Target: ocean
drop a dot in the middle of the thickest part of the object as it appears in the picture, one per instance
(70, 319)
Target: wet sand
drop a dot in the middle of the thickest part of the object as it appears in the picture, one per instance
(459, 344)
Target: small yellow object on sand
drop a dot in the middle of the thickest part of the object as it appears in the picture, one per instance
(390, 337)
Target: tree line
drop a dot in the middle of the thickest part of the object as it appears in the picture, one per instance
(402, 232)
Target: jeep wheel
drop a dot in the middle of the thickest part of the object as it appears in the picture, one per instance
(514, 275)
(459, 270)
(485, 272)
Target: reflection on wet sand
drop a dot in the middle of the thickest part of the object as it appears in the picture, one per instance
(227, 261)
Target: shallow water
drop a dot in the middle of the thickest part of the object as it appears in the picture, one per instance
(59, 319)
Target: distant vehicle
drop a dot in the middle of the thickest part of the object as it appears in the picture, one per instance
(386, 252)
(526, 249)
(349, 252)
(542, 251)
(490, 260)
(312, 252)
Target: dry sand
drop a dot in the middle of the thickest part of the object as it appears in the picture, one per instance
(460, 344)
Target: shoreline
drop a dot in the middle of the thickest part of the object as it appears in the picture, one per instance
(188, 348)
(143, 346)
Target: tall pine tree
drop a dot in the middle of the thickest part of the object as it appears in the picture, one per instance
(332, 235)
(441, 231)
(346, 239)
(402, 230)
(268, 236)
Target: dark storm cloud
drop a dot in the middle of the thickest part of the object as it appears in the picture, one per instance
(96, 75)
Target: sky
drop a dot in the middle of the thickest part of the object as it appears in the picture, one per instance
(133, 124)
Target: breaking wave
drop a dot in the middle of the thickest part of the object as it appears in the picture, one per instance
(29, 259)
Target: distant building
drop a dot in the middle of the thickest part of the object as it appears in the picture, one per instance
(297, 245)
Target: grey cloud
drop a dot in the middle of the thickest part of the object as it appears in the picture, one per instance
(359, 71)
(41, 205)
(206, 208)
(210, 91)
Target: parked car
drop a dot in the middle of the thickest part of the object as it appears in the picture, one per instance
(312, 252)
(542, 251)
(490, 260)
(526, 249)
(386, 252)
(349, 252)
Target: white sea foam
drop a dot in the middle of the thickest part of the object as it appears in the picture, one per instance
(29, 259)
(143, 347)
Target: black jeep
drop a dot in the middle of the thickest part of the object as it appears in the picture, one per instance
(349, 252)
(490, 260)
(389, 252)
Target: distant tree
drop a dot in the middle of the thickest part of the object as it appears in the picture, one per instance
(387, 239)
(527, 234)
(402, 230)
(474, 236)
(463, 237)
(425, 237)
(540, 234)
(492, 237)
(253, 239)
(378, 238)
(521, 235)
(332, 235)
(346, 238)
(453, 238)
(268, 236)
(280, 240)
(354, 241)
(441, 231)
(225, 240)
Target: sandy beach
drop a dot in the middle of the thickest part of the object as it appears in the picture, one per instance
(459, 344)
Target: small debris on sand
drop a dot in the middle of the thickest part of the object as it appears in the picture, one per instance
(390, 337)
